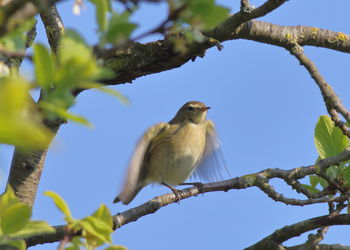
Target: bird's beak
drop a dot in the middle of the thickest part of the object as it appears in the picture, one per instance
(205, 108)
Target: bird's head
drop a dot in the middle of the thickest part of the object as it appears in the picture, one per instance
(192, 111)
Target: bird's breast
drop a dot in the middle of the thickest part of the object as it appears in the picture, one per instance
(174, 157)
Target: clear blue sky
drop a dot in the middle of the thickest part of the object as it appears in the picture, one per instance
(265, 106)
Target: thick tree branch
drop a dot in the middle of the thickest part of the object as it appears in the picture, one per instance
(53, 25)
(283, 36)
(224, 31)
(26, 167)
(246, 181)
(275, 240)
(314, 239)
(319, 247)
(143, 59)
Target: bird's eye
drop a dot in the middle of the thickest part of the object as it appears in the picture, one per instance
(190, 108)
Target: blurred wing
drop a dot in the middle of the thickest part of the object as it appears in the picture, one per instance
(134, 179)
(211, 166)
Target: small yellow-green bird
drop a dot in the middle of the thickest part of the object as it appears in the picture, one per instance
(169, 153)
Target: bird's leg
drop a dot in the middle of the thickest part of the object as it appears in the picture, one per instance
(199, 185)
(177, 193)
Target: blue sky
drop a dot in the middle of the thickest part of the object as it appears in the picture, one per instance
(265, 106)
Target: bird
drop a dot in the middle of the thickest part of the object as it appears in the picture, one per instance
(169, 153)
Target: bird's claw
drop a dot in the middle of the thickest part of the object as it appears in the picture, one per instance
(199, 185)
(176, 192)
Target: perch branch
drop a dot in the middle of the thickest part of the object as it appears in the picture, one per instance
(243, 182)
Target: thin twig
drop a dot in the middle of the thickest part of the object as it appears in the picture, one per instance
(270, 191)
(67, 238)
(162, 28)
(245, 6)
(334, 184)
(315, 239)
(20, 54)
(329, 96)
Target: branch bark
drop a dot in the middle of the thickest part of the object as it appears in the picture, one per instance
(283, 36)
(26, 167)
(143, 59)
(275, 240)
(246, 181)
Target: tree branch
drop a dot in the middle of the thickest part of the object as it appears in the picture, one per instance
(53, 25)
(283, 36)
(224, 31)
(245, 181)
(26, 167)
(275, 240)
(330, 97)
(319, 247)
(158, 56)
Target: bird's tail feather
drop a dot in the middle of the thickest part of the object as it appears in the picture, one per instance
(127, 195)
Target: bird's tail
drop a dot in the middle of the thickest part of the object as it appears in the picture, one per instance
(127, 195)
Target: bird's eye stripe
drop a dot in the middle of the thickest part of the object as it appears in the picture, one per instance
(190, 108)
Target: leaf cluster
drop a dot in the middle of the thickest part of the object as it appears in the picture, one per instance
(95, 229)
(330, 141)
(15, 223)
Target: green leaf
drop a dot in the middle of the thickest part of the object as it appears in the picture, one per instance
(20, 244)
(33, 228)
(20, 123)
(73, 49)
(74, 35)
(15, 218)
(77, 63)
(311, 189)
(334, 171)
(119, 28)
(323, 183)
(314, 180)
(44, 67)
(74, 244)
(102, 8)
(346, 176)
(329, 140)
(103, 214)
(96, 231)
(115, 248)
(63, 113)
(7, 199)
(16, 39)
(61, 205)
(88, 85)
(203, 14)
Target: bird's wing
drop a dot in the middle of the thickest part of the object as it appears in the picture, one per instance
(135, 174)
(211, 166)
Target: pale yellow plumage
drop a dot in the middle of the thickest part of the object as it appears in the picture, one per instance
(169, 153)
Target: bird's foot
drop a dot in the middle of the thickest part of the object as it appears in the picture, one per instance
(176, 192)
(199, 185)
